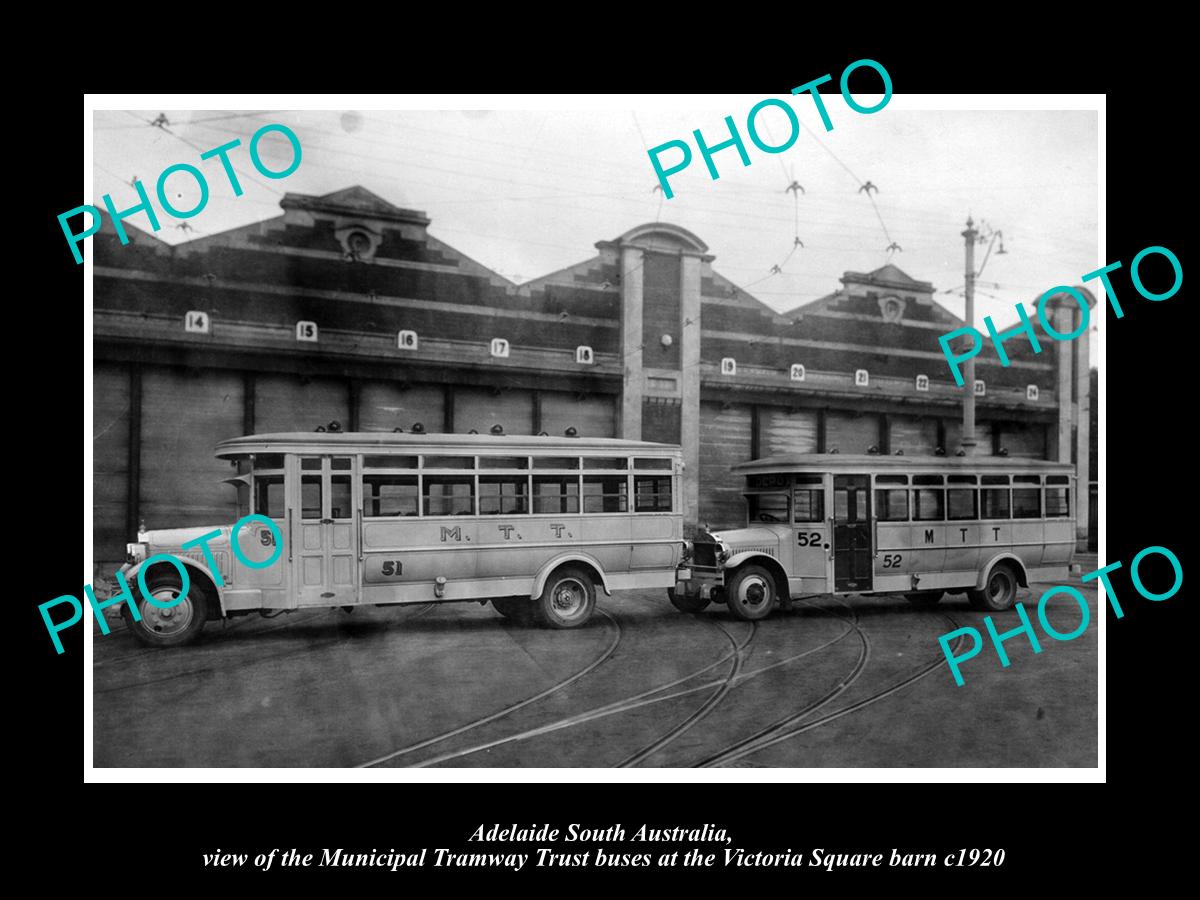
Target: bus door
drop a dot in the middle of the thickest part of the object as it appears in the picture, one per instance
(852, 550)
(324, 514)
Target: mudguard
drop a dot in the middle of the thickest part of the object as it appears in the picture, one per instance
(985, 571)
(539, 581)
(131, 572)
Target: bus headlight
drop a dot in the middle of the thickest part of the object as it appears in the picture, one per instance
(687, 552)
(722, 551)
(135, 553)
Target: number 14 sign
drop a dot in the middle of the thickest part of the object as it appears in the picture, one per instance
(196, 322)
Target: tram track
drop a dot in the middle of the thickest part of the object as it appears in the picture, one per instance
(637, 701)
(776, 732)
(740, 655)
(139, 654)
(225, 666)
(618, 634)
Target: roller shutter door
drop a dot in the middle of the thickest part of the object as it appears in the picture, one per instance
(915, 436)
(110, 465)
(286, 403)
(183, 418)
(383, 406)
(983, 437)
(481, 409)
(593, 416)
(1024, 440)
(724, 441)
(781, 431)
(848, 433)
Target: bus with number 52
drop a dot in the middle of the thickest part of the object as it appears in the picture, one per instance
(918, 526)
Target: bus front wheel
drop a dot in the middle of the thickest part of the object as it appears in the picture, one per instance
(999, 593)
(752, 594)
(568, 599)
(178, 624)
(688, 603)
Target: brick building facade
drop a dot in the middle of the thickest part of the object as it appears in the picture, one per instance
(345, 308)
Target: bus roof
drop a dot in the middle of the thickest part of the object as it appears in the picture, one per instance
(850, 462)
(375, 442)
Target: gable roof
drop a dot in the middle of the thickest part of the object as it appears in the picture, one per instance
(355, 199)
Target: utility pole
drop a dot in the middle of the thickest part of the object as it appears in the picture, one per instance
(968, 427)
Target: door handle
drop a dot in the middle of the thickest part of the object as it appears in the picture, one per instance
(327, 521)
(291, 528)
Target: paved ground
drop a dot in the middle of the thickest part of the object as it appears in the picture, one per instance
(855, 683)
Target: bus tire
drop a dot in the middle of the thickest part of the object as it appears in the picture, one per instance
(999, 593)
(174, 627)
(752, 594)
(518, 609)
(687, 603)
(924, 599)
(568, 599)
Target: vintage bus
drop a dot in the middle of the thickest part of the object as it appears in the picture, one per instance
(918, 526)
(535, 525)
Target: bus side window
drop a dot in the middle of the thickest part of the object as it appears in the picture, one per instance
(449, 495)
(1027, 501)
(605, 493)
(503, 494)
(891, 503)
(390, 495)
(929, 503)
(1058, 499)
(652, 494)
(995, 500)
(555, 493)
(268, 496)
(810, 499)
(962, 502)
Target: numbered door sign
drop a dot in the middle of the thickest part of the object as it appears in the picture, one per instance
(728, 366)
(1031, 392)
(500, 348)
(306, 331)
(862, 378)
(407, 340)
(196, 322)
(980, 388)
(797, 373)
(583, 355)
(922, 382)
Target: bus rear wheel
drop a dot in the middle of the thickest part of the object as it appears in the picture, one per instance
(176, 625)
(924, 599)
(1000, 591)
(687, 603)
(752, 594)
(518, 609)
(568, 599)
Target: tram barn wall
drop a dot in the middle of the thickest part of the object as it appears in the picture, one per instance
(163, 396)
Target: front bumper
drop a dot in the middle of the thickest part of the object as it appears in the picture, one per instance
(698, 580)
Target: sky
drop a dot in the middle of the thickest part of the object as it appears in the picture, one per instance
(527, 192)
